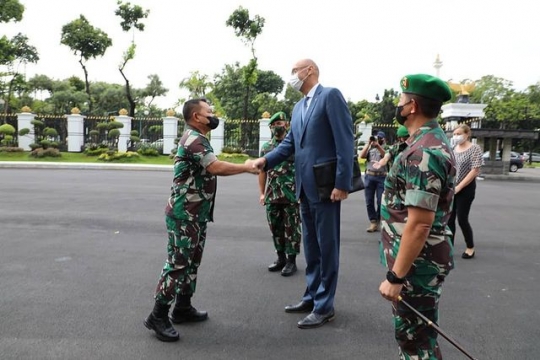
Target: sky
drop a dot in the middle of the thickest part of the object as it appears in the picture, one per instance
(361, 47)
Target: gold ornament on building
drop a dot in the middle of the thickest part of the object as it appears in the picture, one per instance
(26, 109)
(123, 112)
(170, 113)
(75, 111)
(266, 115)
(463, 88)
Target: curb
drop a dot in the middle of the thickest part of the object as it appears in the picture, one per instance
(81, 166)
(169, 168)
(521, 178)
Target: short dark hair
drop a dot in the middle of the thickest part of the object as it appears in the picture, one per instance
(191, 106)
(429, 107)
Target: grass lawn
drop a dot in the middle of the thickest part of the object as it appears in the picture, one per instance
(82, 158)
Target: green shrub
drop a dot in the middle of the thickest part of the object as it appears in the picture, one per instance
(24, 132)
(148, 151)
(119, 156)
(231, 150)
(45, 143)
(11, 149)
(50, 132)
(7, 129)
(113, 133)
(41, 153)
(234, 158)
(34, 146)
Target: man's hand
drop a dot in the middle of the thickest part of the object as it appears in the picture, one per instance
(390, 291)
(258, 163)
(250, 167)
(338, 195)
(377, 165)
(261, 199)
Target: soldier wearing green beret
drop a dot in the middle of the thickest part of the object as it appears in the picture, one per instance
(278, 193)
(402, 135)
(416, 207)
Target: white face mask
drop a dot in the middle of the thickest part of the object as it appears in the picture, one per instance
(295, 82)
(458, 139)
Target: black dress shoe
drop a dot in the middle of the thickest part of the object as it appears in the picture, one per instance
(315, 320)
(301, 307)
(289, 269)
(191, 314)
(277, 265)
(162, 327)
(467, 256)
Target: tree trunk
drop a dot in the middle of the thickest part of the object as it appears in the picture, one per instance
(132, 103)
(87, 85)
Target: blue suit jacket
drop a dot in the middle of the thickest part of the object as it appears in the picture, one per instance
(327, 134)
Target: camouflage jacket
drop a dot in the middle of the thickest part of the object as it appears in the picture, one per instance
(194, 189)
(280, 182)
(393, 151)
(422, 175)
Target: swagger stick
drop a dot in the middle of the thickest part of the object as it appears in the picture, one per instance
(436, 328)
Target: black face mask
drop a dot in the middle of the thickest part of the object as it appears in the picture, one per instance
(214, 122)
(279, 131)
(401, 118)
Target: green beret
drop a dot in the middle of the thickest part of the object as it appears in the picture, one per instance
(402, 131)
(427, 86)
(280, 115)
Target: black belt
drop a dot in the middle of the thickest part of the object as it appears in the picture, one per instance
(375, 173)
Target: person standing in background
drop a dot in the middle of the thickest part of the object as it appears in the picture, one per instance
(373, 152)
(468, 162)
(277, 192)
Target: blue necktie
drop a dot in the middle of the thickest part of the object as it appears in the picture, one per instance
(304, 109)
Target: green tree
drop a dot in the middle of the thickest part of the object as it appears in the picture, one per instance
(131, 16)
(196, 84)
(247, 30)
(15, 52)
(87, 42)
(152, 90)
(11, 10)
(229, 87)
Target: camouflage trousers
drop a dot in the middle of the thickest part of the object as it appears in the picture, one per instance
(417, 340)
(284, 222)
(184, 249)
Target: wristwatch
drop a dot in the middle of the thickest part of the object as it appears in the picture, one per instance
(393, 278)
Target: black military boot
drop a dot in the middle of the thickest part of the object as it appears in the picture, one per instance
(184, 312)
(290, 266)
(279, 263)
(158, 320)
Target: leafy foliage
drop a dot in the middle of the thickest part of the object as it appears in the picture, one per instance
(11, 10)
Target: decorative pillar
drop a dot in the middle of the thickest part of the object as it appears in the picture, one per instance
(170, 132)
(24, 121)
(264, 130)
(75, 124)
(217, 137)
(125, 132)
(365, 130)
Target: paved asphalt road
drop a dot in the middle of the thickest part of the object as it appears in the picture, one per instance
(81, 250)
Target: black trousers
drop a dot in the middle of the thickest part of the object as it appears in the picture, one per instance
(461, 209)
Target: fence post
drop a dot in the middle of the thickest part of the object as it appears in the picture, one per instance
(24, 120)
(265, 134)
(75, 126)
(125, 132)
(217, 137)
(170, 132)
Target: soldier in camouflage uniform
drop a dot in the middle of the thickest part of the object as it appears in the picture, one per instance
(391, 154)
(417, 202)
(188, 211)
(277, 192)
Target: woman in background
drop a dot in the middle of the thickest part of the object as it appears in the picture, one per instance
(468, 163)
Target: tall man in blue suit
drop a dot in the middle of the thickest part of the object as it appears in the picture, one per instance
(321, 131)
